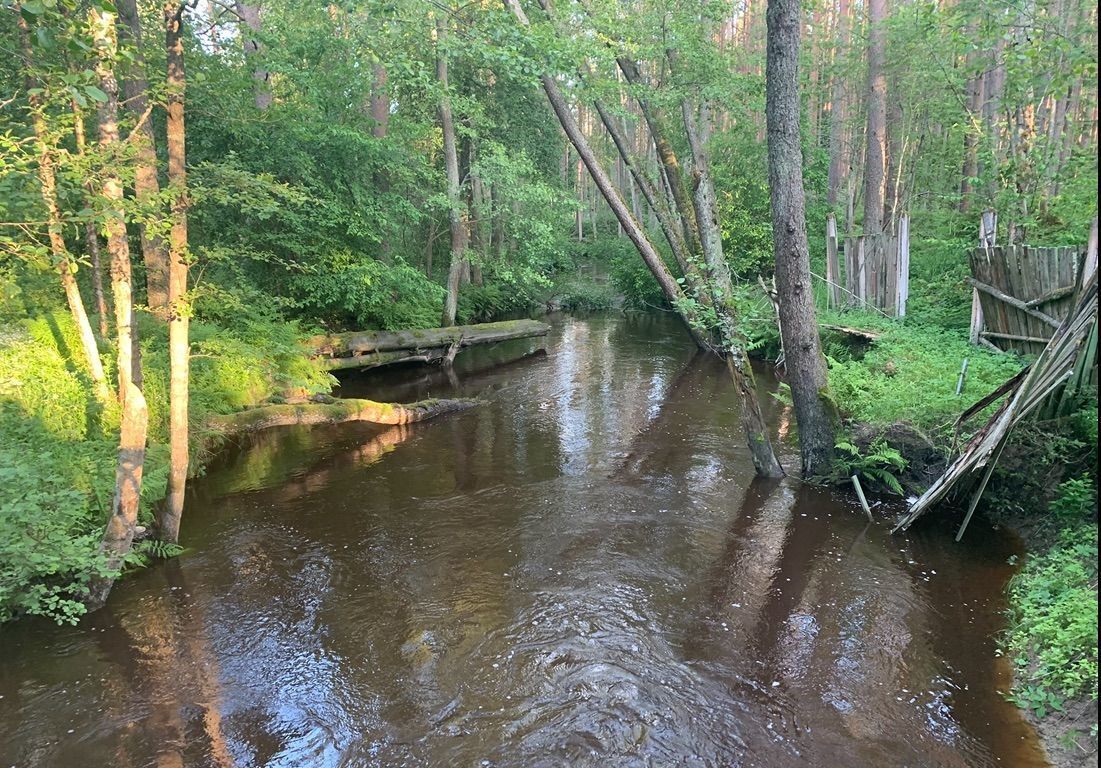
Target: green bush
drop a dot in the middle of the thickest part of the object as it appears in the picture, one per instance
(1052, 633)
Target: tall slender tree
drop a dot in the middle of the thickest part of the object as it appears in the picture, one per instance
(803, 360)
(875, 154)
(179, 308)
(119, 534)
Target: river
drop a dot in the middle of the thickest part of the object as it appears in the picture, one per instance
(581, 571)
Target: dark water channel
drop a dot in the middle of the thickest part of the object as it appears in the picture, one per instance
(580, 572)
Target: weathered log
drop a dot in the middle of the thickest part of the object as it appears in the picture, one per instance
(420, 340)
(335, 412)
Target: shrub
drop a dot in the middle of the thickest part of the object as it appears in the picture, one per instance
(1052, 633)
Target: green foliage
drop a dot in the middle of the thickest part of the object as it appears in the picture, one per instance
(1075, 498)
(1052, 633)
(879, 464)
(59, 446)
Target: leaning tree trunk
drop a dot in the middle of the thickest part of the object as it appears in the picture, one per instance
(63, 260)
(803, 360)
(722, 294)
(147, 189)
(456, 210)
(91, 239)
(119, 535)
(761, 449)
(875, 161)
(179, 309)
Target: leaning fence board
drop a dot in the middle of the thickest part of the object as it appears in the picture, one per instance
(833, 267)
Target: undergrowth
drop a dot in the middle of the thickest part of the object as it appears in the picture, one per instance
(59, 444)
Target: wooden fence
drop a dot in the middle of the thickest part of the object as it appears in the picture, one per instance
(876, 273)
(1021, 293)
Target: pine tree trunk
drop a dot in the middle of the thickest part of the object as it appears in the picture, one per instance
(119, 534)
(837, 112)
(63, 260)
(803, 360)
(875, 156)
(147, 189)
(457, 213)
(171, 512)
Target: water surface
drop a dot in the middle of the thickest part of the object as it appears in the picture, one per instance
(582, 571)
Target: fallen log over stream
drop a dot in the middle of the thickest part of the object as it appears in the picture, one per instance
(335, 411)
(371, 349)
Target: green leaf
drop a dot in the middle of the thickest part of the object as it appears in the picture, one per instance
(95, 93)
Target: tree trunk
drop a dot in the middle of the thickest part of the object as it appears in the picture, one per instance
(804, 363)
(250, 14)
(119, 533)
(91, 239)
(135, 88)
(837, 112)
(896, 144)
(456, 209)
(876, 152)
(63, 260)
(168, 519)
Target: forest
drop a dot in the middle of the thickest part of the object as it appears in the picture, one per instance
(233, 235)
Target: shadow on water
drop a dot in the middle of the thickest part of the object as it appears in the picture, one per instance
(581, 571)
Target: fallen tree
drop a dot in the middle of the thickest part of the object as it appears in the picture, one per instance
(334, 411)
(371, 349)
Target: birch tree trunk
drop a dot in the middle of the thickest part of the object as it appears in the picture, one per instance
(119, 534)
(171, 512)
(250, 14)
(803, 360)
(456, 209)
(91, 239)
(63, 261)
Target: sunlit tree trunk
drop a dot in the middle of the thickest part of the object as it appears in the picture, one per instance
(63, 261)
(91, 239)
(135, 88)
(456, 208)
(875, 155)
(119, 534)
(803, 360)
(179, 308)
(250, 15)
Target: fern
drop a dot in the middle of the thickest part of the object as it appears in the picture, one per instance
(880, 463)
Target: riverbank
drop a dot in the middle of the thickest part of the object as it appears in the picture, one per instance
(900, 393)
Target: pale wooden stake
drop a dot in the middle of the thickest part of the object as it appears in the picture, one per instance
(860, 495)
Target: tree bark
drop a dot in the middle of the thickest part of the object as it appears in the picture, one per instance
(91, 239)
(457, 215)
(250, 14)
(135, 88)
(119, 533)
(171, 512)
(837, 112)
(63, 260)
(804, 363)
(875, 160)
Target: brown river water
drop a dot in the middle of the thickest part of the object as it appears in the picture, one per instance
(580, 572)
